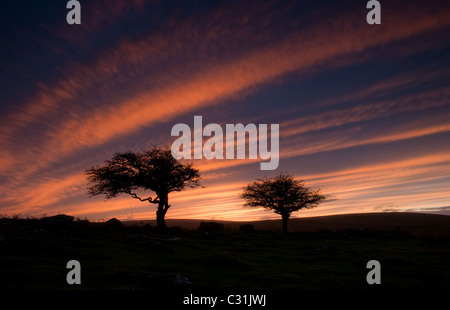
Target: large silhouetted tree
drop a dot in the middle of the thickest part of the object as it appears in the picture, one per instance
(282, 194)
(132, 173)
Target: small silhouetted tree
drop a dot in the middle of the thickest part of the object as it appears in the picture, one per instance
(282, 194)
(132, 173)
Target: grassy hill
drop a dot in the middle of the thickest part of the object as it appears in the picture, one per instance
(330, 253)
(412, 223)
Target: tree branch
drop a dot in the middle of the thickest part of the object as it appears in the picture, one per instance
(149, 199)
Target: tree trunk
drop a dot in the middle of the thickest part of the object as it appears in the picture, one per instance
(163, 206)
(284, 219)
(160, 213)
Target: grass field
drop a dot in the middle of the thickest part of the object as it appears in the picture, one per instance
(33, 255)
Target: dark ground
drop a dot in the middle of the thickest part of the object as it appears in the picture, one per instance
(34, 254)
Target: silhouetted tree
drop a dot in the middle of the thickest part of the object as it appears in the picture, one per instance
(155, 170)
(281, 193)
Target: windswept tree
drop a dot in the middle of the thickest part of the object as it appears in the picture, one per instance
(135, 174)
(282, 194)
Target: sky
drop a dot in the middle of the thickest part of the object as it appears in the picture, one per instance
(363, 110)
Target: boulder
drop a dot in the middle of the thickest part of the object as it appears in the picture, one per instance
(247, 228)
(113, 223)
(58, 219)
(211, 227)
(141, 278)
(179, 279)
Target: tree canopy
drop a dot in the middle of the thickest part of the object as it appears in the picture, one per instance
(133, 173)
(283, 194)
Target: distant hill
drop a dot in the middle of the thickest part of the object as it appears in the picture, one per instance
(413, 223)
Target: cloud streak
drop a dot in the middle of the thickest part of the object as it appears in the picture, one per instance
(210, 84)
(186, 63)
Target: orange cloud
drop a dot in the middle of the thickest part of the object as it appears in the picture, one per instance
(211, 83)
(165, 92)
(36, 196)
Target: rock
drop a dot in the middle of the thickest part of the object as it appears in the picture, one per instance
(247, 228)
(41, 231)
(137, 277)
(211, 227)
(173, 238)
(113, 223)
(58, 219)
(241, 244)
(179, 279)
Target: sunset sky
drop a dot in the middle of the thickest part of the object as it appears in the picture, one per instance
(363, 110)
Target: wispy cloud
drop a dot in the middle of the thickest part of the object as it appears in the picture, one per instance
(184, 63)
(209, 83)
